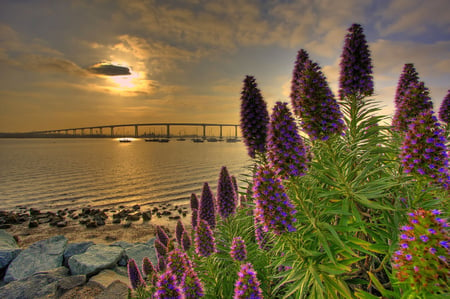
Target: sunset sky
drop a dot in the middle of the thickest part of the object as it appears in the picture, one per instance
(97, 62)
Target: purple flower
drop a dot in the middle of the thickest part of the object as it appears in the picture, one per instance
(254, 117)
(408, 257)
(409, 75)
(356, 65)
(424, 238)
(444, 110)
(191, 285)
(315, 104)
(167, 287)
(238, 250)
(415, 100)
(247, 284)
(162, 236)
(285, 149)
(205, 244)
(273, 208)
(444, 244)
(302, 57)
(226, 196)
(416, 151)
(207, 209)
(178, 263)
(179, 230)
(433, 250)
(134, 275)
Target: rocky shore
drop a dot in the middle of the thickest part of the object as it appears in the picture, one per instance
(78, 254)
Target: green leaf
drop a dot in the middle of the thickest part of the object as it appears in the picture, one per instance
(360, 294)
(379, 286)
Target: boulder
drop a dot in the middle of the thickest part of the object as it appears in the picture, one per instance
(108, 276)
(139, 251)
(8, 249)
(39, 285)
(75, 248)
(95, 259)
(40, 256)
(116, 289)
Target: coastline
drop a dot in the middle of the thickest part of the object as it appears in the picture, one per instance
(131, 231)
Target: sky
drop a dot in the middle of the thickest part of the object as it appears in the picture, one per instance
(80, 63)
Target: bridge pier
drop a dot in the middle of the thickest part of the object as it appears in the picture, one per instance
(235, 131)
(204, 131)
(168, 131)
(136, 131)
(112, 132)
(220, 134)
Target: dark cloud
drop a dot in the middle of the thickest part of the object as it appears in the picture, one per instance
(108, 69)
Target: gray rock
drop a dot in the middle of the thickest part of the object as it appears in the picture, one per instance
(39, 285)
(116, 289)
(95, 259)
(139, 251)
(68, 283)
(107, 276)
(8, 249)
(40, 256)
(75, 248)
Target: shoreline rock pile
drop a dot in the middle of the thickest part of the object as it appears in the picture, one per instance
(55, 268)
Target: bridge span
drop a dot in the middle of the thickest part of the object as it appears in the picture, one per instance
(111, 128)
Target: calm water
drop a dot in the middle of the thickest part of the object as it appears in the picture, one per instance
(51, 174)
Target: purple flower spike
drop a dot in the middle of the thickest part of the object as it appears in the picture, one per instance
(247, 284)
(134, 275)
(162, 236)
(179, 230)
(260, 235)
(194, 218)
(149, 270)
(194, 201)
(226, 196)
(238, 250)
(302, 58)
(178, 263)
(273, 208)
(409, 75)
(254, 117)
(207, 209)
(286, 151)
(191, 285)
(205, 244)
(356, 65)
(425, 140)
(186, 241)
(160, 248)
(167, 287)
(415, 100)
(444, 110)
(315, 104)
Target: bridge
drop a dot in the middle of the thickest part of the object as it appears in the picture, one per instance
(83, 130)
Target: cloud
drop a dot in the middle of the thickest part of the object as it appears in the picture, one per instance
(108, 69)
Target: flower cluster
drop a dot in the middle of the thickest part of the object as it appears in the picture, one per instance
(444, 110)
(247, 284)
(409, 75)
(238, 250)
(424, 150)
(254, 117)
(302, 57)
(273, 207)
(134, 275)
(167, 287)
(205, 243)
(415, 100)
(315, 104)
(191, 285)
(356, 65)
(422, 258)
(226, 196)
(178, 263)
(285, 149)
(207, 210)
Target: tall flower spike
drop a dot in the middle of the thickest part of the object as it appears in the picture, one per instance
(285, 149)
(273, 208)
(167, 287)
(179, 230)
(194, 219)
(207, 209)
(194, 201)
(302, 58)
(162, 236)
(149, 270)
(236, 188)
(423, 254)
(315, 104)
(424, 150)
(191, 285)
(205, 243)
(254, 117)
(178, 263)
(409, 75)
(444, 110)
(134, 275)
(186, 241)
(260, 235)
(415, 100)
(247, 285)
(238, 249)
(226, 196)
(356, 65)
